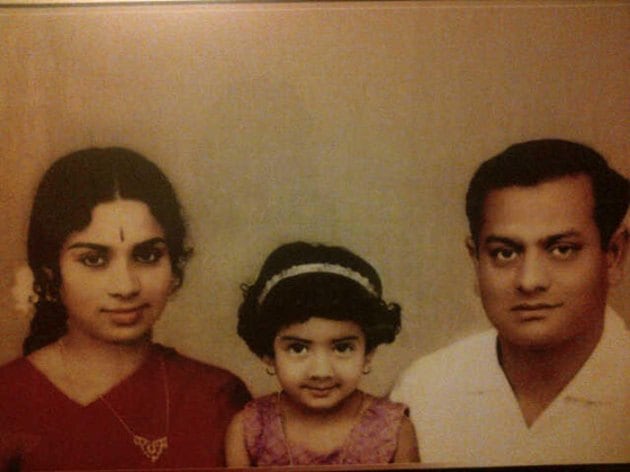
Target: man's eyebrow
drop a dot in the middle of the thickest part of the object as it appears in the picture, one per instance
(554, 238)
(501, 239)
(551, 239)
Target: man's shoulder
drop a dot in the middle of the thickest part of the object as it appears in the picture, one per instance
(450, 364)
(461, 353)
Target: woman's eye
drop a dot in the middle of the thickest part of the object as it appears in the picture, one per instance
(149, 256)
(93, 260)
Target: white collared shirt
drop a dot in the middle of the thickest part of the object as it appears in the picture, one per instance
(465, 411)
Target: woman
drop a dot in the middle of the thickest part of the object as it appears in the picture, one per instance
(106, 247)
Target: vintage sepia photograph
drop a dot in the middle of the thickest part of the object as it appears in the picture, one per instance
(370, 234)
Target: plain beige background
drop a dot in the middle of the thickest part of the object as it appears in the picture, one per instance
(356, 124)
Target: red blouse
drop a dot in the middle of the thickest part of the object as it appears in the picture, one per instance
(42, 429)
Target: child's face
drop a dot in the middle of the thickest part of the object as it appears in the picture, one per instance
(116, 273)
(319, 362)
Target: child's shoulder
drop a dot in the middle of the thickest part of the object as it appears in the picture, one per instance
(261, 409)
(383, 405)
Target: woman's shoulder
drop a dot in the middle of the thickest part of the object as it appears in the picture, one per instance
(11, 369)
(188, 369)
(17, 378)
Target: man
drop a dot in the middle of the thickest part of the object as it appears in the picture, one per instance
(551, 382)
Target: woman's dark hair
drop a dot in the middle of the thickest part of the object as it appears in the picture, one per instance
(270, 306)
(63, 204)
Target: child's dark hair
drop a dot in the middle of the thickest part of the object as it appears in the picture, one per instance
(68, 192)
(300, 280)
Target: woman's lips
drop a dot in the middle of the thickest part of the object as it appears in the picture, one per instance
(125, 316)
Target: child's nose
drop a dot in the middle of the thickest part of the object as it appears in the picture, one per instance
(321, 366)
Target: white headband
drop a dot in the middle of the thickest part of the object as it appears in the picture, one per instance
(317, 267)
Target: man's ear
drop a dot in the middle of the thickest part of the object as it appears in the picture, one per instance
(471, 247)
(616, 254)
(473, 252)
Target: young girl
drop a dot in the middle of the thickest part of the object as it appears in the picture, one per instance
(106, 247)
(315, 317)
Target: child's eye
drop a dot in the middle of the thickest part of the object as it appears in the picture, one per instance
(344, 347)
(149, 255)
(297, 348)
(93, 259)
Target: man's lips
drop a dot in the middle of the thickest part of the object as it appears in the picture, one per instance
(525, 307)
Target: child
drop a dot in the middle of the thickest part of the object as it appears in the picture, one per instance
(315, 317)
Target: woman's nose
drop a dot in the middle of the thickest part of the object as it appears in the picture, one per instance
(124, 282)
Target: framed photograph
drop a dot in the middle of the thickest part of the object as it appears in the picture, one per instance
(349, 123)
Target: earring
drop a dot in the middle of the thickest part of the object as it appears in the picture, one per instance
(51, 297)
(270, 370)
(367, 369)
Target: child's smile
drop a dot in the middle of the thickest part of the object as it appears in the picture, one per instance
(319, 362)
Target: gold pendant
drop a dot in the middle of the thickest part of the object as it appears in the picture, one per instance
(152, 449)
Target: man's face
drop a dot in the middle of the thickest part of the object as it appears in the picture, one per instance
(543, 276)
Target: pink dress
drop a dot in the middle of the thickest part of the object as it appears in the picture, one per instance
(373, 440)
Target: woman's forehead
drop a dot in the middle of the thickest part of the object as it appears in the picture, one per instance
(119, 221)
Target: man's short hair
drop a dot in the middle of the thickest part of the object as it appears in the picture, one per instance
(530, 163)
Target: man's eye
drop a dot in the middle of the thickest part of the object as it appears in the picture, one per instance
(503, 254)
(93, 260)
(149, 255)
(564, 251)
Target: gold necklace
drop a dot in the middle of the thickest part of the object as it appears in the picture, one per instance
(283, 425)
(152, 449)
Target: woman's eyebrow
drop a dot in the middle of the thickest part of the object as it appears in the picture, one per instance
(95, 247)
(151, 242)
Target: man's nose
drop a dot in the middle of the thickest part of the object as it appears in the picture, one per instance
(533, 273)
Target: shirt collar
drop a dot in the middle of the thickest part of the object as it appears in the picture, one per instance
(602, 378)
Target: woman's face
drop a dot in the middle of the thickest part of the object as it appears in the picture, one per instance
(115, 274)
